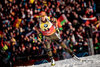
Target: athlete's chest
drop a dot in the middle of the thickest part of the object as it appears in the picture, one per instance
(45, 25)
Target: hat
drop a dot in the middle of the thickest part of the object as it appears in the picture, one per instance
(42, 13)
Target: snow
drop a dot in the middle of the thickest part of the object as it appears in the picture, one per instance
(89, 61)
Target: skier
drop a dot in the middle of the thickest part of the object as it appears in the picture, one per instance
(51, 33)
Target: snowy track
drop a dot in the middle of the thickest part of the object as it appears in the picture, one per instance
(90, 61)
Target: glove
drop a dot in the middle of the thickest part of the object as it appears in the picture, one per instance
(57, 30)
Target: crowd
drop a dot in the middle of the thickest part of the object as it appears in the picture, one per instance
(17, 21)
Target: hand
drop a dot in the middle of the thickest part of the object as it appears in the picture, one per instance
(57, 30)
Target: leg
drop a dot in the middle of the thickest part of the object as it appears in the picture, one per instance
(49, 52)
(58, 40)
(67, 49)
(70, 51)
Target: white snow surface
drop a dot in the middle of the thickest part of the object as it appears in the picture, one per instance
(89, 61)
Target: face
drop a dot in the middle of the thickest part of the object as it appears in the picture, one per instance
(43, 18)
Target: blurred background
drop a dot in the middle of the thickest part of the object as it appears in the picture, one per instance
(21, 45)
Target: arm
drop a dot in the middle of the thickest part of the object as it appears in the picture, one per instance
(56, 25)
(36, 28)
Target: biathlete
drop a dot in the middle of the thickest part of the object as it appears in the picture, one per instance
(51, 33)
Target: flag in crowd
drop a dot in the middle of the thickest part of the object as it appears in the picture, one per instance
(11, 0)
(31, 1)
(1, 34)
(61, 20)
(89, 20)
(58, 2)
(17, 22)
(4, 45)
(98, 25)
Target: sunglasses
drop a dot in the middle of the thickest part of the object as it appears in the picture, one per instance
(42, 15)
